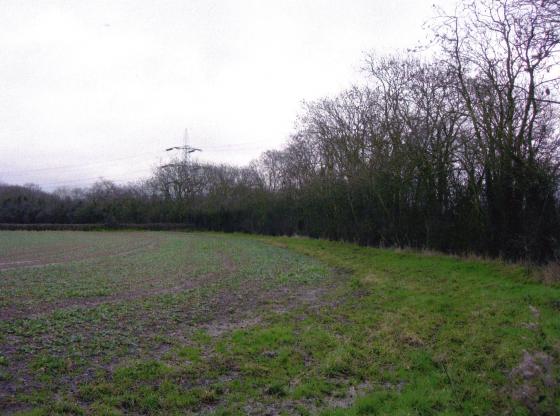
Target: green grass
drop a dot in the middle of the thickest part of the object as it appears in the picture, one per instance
(229, 324)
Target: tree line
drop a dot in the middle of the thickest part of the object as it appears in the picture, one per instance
(454, 149)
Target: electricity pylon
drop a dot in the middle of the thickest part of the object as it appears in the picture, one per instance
(187, 150)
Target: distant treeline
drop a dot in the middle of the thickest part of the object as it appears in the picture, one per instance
(457, 153)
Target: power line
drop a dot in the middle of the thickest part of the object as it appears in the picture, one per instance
(234, 146)
(234, 149)
(187, 151)
(72, 167)
(94, 178)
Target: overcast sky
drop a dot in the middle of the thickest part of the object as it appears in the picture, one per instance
(95, 88)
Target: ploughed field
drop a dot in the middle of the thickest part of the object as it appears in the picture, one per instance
(202, 323)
